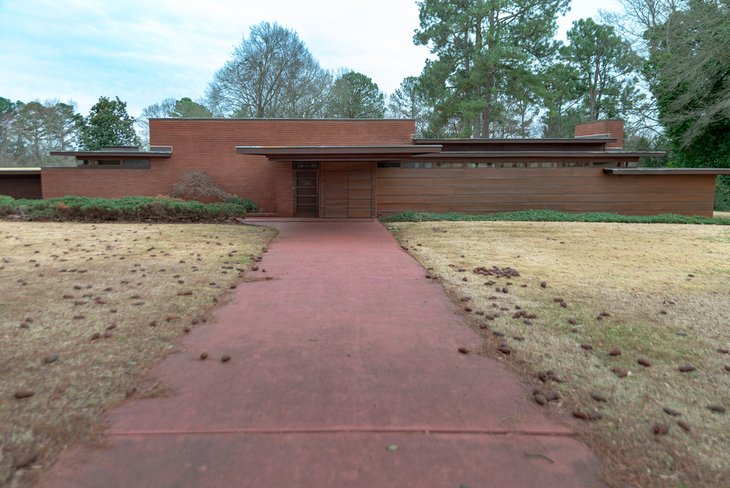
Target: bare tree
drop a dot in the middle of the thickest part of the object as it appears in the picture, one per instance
(271, 74)
(408, 102)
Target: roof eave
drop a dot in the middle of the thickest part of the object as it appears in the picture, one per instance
(541, 155)
(578, 141)
(113, 154)
(668, 171)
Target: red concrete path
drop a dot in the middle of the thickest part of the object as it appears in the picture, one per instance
(348, 350)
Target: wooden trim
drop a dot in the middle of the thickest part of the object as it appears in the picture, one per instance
(667, 171)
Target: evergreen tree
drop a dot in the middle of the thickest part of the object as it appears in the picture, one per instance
(356, 96)
(108, 124)
(606, 67)
(482, 48)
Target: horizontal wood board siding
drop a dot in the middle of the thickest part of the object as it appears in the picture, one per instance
(483, 190)
(347, 190)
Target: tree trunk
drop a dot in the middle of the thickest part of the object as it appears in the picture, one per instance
(487, 112)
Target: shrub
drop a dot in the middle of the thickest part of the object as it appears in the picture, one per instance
(555, 216)
(198, 185)
(722, 193)
(127, 209)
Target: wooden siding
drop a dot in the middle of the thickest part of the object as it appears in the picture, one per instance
(483, 190)
(347, 190)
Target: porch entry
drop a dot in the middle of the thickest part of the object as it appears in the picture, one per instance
(334, 189)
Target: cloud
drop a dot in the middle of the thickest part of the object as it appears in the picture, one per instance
(146, 50)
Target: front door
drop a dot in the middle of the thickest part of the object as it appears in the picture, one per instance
(306, 201)
(347, 189)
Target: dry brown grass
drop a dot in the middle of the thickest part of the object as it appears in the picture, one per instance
(641, 275)
(61, 283)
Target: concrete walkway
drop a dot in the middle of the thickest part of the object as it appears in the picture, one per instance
(347, 353)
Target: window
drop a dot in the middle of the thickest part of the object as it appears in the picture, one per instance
(416, 165)
(306, 165)
(137, 163)
(436, 164)
(116, 163)
(389, 164)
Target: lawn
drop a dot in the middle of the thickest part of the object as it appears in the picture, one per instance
(85, 309)
(591, 301)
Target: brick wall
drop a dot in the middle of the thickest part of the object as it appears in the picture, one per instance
(614, 128)
(209, 145)
(108, 183)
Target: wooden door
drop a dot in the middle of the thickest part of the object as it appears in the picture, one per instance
(360, 190)
(306, 190)
(347, 190)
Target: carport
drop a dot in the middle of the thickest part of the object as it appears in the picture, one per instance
(21, 182)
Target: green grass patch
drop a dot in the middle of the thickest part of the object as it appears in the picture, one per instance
(127, 209)
(554, 216)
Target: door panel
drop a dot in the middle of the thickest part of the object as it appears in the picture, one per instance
(347, 190)
(306, 201)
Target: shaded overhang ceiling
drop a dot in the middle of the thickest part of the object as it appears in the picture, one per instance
(530, 156)
(539, 145)
(431, 152)
(667, 171)
(155, 152)
(339, 153)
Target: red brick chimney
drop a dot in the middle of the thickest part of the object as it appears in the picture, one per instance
(612, 128)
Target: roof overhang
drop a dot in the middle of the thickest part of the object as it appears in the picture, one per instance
(338, 153)
(156, 152)
(430, 152)
(537, 141)
(19, 171)
(667, 171)
(529, 156)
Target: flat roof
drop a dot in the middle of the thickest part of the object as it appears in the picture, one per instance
(118, 152)
(20, 171)
(667, 171)
(542, 155)
(567, 140)
(299, 119)
(287, 153)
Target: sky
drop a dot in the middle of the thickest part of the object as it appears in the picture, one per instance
(144, 51)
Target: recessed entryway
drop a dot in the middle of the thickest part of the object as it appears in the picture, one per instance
(306, 189)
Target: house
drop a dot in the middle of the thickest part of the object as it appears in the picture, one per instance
(365, 168)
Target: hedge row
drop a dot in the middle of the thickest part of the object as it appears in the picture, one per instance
(127, 209)
(555, 216)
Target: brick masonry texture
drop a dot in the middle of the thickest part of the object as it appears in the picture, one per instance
(614, 128)
(209, 145)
